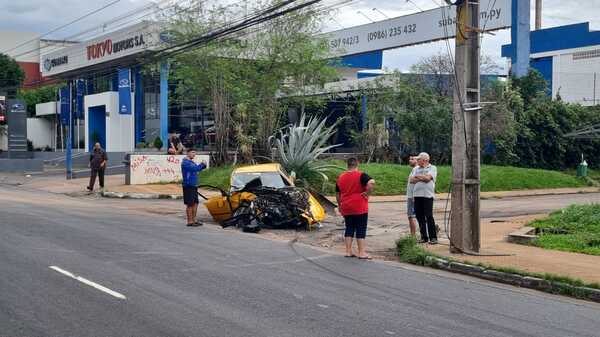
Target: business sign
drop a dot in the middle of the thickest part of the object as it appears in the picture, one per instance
(50, 63)
(426, 26)
(128, 41)
(157, 168)
(79, 93)
(65, 104)
(125, 91)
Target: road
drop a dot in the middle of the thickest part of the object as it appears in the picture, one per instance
(179, 281)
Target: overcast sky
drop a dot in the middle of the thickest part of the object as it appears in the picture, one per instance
(42, 16)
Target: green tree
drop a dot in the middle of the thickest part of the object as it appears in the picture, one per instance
(38, 95)
(244, 77)
(11, 75)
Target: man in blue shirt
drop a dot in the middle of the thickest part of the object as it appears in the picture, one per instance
(189, 172)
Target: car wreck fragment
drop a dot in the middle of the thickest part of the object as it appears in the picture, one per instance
(264, 196)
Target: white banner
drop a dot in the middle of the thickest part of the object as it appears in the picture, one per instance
(427, 26)
(157, 168)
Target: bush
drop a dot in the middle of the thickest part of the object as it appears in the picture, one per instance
(158, 143)
(410, 252)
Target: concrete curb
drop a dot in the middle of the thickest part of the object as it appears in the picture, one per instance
(374, 199)
(127, 195)
(529, 282)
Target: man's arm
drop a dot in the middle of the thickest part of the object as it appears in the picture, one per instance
(104, 159)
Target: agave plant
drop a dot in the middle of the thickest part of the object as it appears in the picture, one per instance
(299, 146)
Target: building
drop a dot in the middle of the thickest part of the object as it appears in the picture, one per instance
(569, 59)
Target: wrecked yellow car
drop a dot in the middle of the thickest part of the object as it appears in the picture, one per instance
(264, 196)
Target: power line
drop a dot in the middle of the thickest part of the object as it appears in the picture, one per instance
(65, 25)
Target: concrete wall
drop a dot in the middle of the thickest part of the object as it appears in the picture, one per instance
(21, 165)
(41, 132)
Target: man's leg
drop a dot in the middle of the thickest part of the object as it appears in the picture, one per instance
(349, 234)
(194, 212)
(430, 221)
(420, 212)
(189, 212)
(101, 177)
(93, 174)
(412, 223)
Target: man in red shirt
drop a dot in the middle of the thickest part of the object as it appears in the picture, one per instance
(352, 193)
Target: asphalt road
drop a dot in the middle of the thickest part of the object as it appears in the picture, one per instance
(178, 281)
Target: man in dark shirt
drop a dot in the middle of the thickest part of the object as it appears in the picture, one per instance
(353, 188)
(97, 164)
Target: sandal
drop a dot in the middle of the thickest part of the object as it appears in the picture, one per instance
(365, 257)
(350, 255)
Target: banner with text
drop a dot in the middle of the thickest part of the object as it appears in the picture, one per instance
(65, 104)
(125, 91)
(426, 26)
(79, 93)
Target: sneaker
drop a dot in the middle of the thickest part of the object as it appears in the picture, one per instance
(89, 188)
(422, 241)
(198, 223)
(193, 224)
(433, 241)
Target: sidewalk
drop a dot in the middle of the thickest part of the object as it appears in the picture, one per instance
(528, 258)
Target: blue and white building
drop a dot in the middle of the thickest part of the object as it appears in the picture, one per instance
(569, 59)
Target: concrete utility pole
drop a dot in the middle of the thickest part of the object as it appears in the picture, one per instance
(538, 14)
(465, 231)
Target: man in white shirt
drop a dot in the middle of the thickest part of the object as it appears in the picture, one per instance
(424, 178)
(410, 201)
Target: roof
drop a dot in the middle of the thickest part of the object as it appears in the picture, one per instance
(274, 167)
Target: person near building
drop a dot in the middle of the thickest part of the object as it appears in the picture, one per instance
(410, 201)
(353, 188)
(189, 172)
(98, 160)
(424, 178)
(175, 145)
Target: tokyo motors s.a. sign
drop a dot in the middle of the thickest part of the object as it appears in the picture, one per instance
(107, 47)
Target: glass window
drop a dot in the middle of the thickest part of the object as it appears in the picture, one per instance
(267, 179)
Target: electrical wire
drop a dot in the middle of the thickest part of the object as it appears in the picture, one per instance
(63, 26)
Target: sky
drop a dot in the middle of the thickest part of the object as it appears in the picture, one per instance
(43, 16)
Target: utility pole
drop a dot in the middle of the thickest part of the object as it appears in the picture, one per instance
(465, 224)
(538, 14)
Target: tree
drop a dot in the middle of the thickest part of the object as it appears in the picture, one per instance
(436, 68)
(11, 75)
(422, 116)
(244, 77)
(38, 95)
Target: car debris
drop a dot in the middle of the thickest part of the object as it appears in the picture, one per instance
(264, 196)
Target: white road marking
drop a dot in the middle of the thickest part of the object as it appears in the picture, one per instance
(89, 283)
(324, 306)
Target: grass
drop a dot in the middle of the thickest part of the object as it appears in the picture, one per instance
(391, 178)
(410, 252)
(573, 229)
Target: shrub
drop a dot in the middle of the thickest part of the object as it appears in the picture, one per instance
(158, 143)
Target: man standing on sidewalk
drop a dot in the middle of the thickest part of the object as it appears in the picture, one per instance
(423, 192)
(189, 172)
(353, 189)
(410, 201)
(97, 165)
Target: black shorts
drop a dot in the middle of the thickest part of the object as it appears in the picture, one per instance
(190, 195)
(356, 225)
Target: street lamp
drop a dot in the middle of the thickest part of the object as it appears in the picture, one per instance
(380, 12)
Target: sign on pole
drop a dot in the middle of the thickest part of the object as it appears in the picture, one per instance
(125, 91)
(427, 26)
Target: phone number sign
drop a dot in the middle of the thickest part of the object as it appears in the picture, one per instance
(427, 26)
